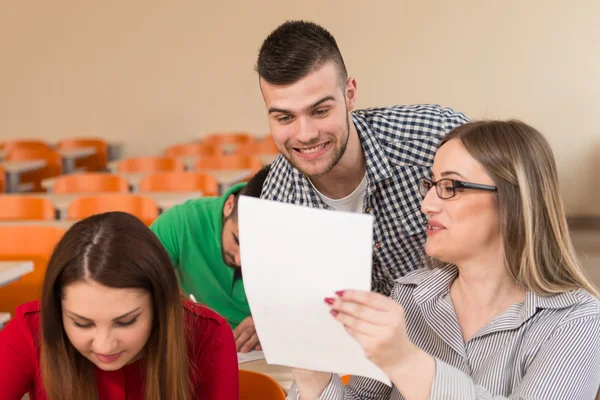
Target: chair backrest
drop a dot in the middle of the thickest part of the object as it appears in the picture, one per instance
(180, 182)
(15, 207)
(345, 379)
(26, 243)
(31, 144)
(53, 164)
(225, 162)
(254, 385)
(96, 161)
(265, 145)
(150, 164)
(195, 149)
(142, 207)
(228, 137)
(92, 182)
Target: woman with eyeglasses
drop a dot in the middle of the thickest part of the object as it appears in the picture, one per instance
(505, 311)
(112, 325)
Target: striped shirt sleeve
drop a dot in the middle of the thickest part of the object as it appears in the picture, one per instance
(359, 388)
(564, 368)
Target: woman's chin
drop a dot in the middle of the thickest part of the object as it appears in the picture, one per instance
(438, 254)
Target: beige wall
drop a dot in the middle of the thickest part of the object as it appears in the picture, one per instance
(152, 73)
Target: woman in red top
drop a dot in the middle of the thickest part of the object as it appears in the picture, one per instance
(112, 325)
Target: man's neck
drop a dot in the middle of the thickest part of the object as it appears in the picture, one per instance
(347, 174)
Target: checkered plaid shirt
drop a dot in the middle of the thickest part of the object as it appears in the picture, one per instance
(399, 145)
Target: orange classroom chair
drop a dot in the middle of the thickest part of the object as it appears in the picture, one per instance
(254, 385)
(15, 207)
(52, 168)
(180, 182)
(150, 164)
(91, 182)
(263, 146)
(228, 162)
(95, 162)
(345, 379)
(218, 138)
(142, 207)
(26, 243)
(2, 174)
(30, 144)
(194, 149)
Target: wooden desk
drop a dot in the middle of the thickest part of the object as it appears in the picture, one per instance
(14, 169)
(70, 156)
(164, 200)
(267, 159)
(225, 178)
(63, 224)
(12, 270)
(4, 318)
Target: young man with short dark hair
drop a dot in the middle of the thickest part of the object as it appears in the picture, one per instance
(201, 237)
(334, 157)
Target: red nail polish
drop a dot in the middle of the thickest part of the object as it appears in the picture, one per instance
(329, 300)
(340, 292)
(334, 313)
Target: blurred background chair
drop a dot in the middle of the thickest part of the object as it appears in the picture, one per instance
(150, 164)
(26, 243)
(142, 207)
(254, 386)
(52, 168)
(92, 182)
(15, 207)
(180, 182)
(95, 162)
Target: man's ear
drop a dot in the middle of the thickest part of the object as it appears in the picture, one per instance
(351, 94)
(228, 206)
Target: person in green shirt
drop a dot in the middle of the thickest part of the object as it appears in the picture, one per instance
(201, 237)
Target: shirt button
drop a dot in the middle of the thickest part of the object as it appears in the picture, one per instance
(368, 209)
(377, 245)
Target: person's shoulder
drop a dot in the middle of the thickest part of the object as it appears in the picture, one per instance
(200, 315)
(279, 181)
(207, 331)
(424, 111)
(27, 317)
(406, 122)
(181, 213)
(577, 304)
(29, 312)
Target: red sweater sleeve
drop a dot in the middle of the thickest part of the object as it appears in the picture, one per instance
(17, 354)
(215, 375)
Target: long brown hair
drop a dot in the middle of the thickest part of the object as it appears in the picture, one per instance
(115, 250)
(539, 253)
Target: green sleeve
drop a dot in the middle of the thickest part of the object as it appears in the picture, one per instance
(167, 228)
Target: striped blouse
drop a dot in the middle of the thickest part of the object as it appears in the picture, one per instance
(543, 348)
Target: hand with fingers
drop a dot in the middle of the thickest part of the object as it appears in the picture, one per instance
(245, 336)
(378, 324)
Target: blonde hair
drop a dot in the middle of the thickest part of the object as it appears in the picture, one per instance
(539, 253)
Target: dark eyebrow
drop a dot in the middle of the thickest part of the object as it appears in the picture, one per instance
(446, 173)
(114, 319)
(284, 111)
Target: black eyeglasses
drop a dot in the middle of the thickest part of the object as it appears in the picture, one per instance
(446, 188)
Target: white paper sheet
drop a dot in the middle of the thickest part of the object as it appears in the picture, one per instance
(250, 356)
(292, 258)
